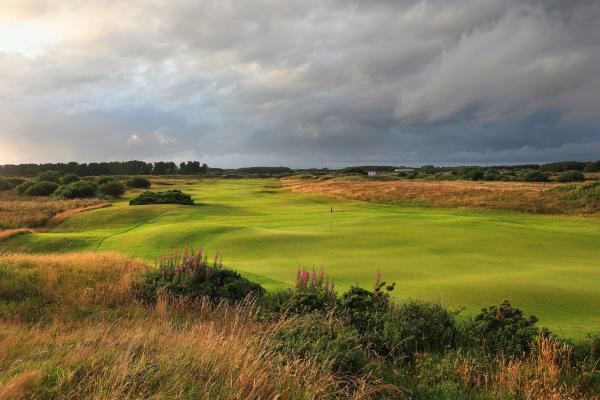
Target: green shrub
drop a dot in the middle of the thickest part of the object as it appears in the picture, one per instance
(112, 188)
(191, 276)
(139, 183)
(367, 309)
(168, 197)
(5, 184)
(471, 173)
(44, 188)
(417, 326)
(570, 176)
(69, 178)
(534, 176)
(77, 190)
(323, 339)
(105, 179)
(23, 187)
(503, 329)
(16, 181)
(49, 176)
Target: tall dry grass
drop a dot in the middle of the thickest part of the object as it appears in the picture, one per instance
(118, 349)
(24, 212)
(515, 196)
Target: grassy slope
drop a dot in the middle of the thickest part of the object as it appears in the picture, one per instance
(546, 265)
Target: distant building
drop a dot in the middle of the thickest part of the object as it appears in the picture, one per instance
(372, 173)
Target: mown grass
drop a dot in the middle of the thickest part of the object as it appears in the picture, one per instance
(546, 265)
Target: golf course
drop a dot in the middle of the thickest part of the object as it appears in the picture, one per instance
(546, 265)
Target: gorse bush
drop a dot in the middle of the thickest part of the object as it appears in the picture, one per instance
(69, 178)
(105, 179)
(139, 183)
(44, 188)
(112, 188)
(49, 176)
(535, 176)
(570, 176)
(503, 329)
(417, 327)
(192, 276)
(22, 188)
(325, 340)
(5, 184)
(77, 190)
(167, 197)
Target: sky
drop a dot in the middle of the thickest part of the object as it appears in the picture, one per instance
(300, 83)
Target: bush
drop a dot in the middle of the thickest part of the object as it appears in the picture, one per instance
(77, 190)
(16, 181)
(503, 329)
(139, 183)
(417, 326)
(313, 292)
(49, 176)
(322, 339)
(105, 179)
(367, 309)
(534, 176)
(112, 188)
(5, 184)
(471, 173)
(168, 197)
(69, 178)
(570, 176)
(44, 188)
(192, 276)
(22, 188)
(593, 167)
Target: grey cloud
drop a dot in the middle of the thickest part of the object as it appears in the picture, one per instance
(327, 82)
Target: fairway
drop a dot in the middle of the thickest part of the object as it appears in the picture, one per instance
(546, 265)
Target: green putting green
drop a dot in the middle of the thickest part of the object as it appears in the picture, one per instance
(546, 265)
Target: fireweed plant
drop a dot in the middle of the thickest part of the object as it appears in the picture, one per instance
(190, 274)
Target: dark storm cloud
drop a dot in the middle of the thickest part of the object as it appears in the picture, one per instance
(327, 82)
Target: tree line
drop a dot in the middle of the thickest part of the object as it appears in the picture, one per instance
(133, 167)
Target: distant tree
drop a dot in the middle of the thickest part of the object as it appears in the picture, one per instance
(534, 176)
(571, 176)
(593, 167)
(70, 178)
(44, 188)
(139, 182)
(112, 188)
(49, 176)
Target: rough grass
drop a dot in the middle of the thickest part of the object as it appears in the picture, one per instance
(544, 198)
(75, 332)
(89, 339)
(24, 212)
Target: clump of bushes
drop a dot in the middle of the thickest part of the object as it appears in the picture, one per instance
(535, 176)
(112, 188)
(5, 184)
(167, 197)
(69, 178)
(191, 275)
(570, 176)
(48, 176)
(105, 179)
(503, 329)
(138, 182)
(77, 190)
(44, 188)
